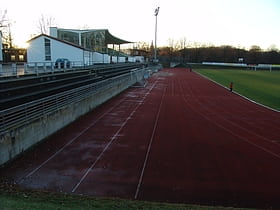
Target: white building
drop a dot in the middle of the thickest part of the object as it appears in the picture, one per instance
(81, 47)
(93, 39)
(44, 49)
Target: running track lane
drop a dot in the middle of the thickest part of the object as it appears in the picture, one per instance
(181, 139)
(66, 169)
(209, 155)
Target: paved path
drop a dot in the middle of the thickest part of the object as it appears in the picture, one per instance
(180, 139)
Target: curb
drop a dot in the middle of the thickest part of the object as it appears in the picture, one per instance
(255, 102)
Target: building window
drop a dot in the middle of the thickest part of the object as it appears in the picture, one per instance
(21, 57)
(47, 49)
(13, 58)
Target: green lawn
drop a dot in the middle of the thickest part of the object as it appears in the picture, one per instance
(12, 198)
(260, 86)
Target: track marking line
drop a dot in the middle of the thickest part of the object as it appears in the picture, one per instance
(232, 133)
(149, 148)
(99, 156)
(251, 100)
(232, 123)
(113, 138)
(70, 142)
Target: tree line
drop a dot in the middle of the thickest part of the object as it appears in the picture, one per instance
(176, 51)
(195, 53)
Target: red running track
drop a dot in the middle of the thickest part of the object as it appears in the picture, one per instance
(182, 139)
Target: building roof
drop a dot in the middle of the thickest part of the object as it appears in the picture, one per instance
(110, 39)
(59, 40)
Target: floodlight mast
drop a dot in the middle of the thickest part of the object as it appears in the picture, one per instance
(156, 14)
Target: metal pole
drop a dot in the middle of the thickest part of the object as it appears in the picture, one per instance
(156, 14)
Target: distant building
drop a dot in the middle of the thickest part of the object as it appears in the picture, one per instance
(92, 39)
(47, 49)
(11, 54)
(84, 46)
(139, 54)
(14, 55)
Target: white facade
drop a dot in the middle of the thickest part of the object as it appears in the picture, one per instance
(131, 59)
(53, 31)
(139, 58)
(36, 52)
(120, 59)
(101, 58)
(45, 49)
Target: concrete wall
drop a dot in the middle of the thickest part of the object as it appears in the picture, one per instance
(100, 58)
(24, 137)
(116, 59)
(131, 59)
(140, 59)
(53, 31)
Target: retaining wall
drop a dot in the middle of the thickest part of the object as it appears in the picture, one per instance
(19, 139)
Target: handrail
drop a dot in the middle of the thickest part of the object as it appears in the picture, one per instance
(21, 115)
(42, 68)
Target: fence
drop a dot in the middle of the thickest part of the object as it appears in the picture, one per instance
(38, 68)
(24, 114)
(254, 67)
(16, 70)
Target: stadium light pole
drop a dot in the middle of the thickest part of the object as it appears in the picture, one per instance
(156, 14)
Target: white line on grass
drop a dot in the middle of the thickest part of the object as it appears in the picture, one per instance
(255, 102)
(240, 127)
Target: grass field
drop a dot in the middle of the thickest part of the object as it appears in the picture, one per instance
(15, 198)
(260, 86)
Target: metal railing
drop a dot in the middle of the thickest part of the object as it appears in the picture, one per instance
(16, 70)
(40, 68)
(24, 114)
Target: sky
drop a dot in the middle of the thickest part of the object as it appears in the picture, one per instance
(239, 23)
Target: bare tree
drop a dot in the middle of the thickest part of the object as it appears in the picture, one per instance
(5, 27)
(45, 22)
(182, 43)
(255, 48)
(3, 19)
(143, 46)
(273, 47)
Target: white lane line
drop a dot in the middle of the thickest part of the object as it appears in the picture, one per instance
(99, 156)
(149, 148)
(70, 142)
(251, 100)
(111, 141)
(234, 124)
(232, 133)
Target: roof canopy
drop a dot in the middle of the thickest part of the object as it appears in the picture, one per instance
(110, 39)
